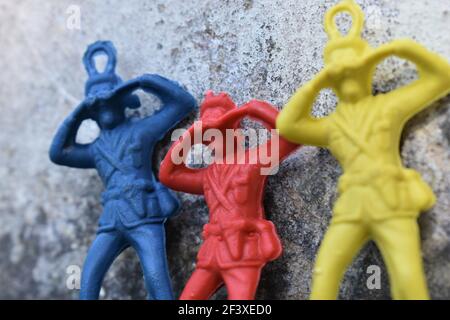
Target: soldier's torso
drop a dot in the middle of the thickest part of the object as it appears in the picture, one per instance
(233, 191)
(364, 134)
(237, 234)
(123, 159)
(365, 140)
(121, 155)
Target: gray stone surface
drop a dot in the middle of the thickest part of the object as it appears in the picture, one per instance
(261, 48)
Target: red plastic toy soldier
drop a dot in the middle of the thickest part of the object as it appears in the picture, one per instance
(238, 240)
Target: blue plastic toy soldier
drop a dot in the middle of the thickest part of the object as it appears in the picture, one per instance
(136, 205)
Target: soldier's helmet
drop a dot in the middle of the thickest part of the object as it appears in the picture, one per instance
(340, 45)
(106, 80)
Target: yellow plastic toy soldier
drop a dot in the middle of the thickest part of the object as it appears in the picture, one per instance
(379, 198)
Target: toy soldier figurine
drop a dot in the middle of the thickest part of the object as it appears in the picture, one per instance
(379, 198)
(136, 205)
(238, 241)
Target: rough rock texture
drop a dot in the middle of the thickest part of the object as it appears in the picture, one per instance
(261, 48)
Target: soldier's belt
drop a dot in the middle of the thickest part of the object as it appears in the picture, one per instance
(216, 229)
(400, 188)
(373, 176)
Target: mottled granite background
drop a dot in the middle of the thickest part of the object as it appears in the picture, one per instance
(250, 48)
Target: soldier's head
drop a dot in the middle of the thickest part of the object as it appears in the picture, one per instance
(215, 106)
(108, 113)
(345, 54)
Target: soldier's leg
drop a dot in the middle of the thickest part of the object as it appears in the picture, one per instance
(399, 243)
(105, 248)
(341, 243)
(149, 241)
(242, 282)
(202, 284)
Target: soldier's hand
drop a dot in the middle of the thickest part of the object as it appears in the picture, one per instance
(105, 95)
(89, 101)
(209, 124)
(84, 109)
(335, 70)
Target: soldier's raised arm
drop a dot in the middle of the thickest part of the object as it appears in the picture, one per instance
(176, 103)
(433, 82)
(178, 176)
(295, 122)
(267, 114)
(64, 149)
